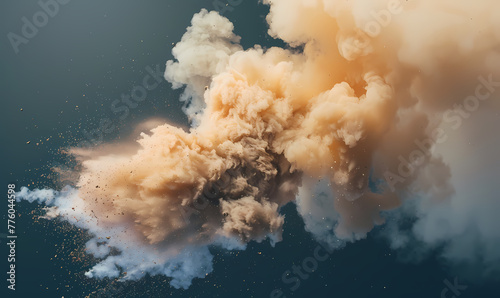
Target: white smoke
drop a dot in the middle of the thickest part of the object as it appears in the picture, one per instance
(135, 258)
(203, 52)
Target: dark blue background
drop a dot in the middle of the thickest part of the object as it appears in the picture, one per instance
(87, 56)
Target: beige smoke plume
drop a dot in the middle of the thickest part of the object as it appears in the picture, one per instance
(363, 81)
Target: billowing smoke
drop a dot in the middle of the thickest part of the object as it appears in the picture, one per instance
(390, 105)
